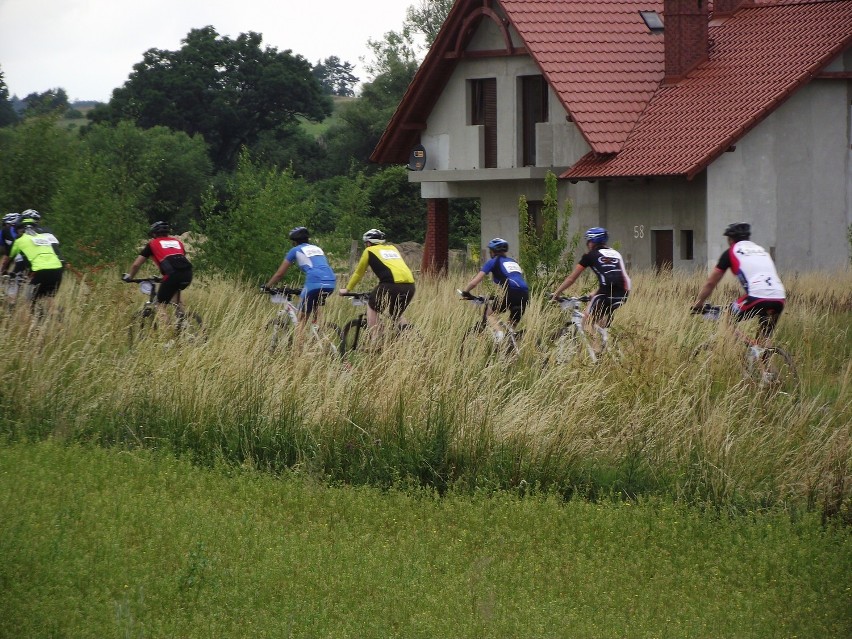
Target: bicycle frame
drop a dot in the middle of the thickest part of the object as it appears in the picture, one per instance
(290, 314)
(510, 335)
(764, 363)
(577, 324)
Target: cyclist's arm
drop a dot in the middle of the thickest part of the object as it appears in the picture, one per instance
(137, 264)
(473, 283)
(568, 281)
(707, 289)
(358, 274)
(278, 274)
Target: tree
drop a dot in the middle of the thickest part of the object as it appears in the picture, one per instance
(229, 91)
(47, 103)
(427, 17)
(169, 170)
(336, 77)
(7, 111)
(33, 156)
(546, 253)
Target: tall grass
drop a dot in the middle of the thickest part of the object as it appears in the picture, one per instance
(418, 412)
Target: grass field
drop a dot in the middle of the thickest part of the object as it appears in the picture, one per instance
(97, 543)
(419, 491)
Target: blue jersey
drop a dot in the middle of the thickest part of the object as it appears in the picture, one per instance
(312, 261)
(506, 272)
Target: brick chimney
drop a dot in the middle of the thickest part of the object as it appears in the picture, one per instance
(685, 35)
(727, 7)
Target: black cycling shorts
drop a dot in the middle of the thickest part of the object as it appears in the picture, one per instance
(312, 300)
(767, 312)
(515, 301)
(602, 307)
(46, 282)
(170, 285)
(392, 299)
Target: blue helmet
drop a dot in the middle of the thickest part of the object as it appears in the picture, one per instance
(499, 245)
(597, 234)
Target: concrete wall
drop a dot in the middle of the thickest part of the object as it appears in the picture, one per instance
(789, 178)
(632, 210)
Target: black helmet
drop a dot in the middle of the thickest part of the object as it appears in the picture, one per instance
(159, 228)
(299, 234)
(738, 231)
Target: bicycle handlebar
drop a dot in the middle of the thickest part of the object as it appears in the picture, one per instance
(361, 295)
(281, 291)
(139, 280)
(562, 298)
(711, 311)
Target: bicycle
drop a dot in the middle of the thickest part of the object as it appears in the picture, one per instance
(572, 339)
(764, 365)
(187, 325)
(350, 334)
(282, 327)
(12, 285)
(505, 338)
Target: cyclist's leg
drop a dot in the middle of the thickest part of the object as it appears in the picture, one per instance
(517, 303)
(399, 299)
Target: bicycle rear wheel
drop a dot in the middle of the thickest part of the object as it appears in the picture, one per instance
(189, 328)
(351, 335)
(563, 346)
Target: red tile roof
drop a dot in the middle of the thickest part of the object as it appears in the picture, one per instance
(758, 57)
(598, 56)
(607, 68)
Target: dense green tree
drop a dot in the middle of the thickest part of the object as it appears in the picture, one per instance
(229, 91)
(47, 103)
(246, 227)
(7, 110)
(289, 146)
(169, 170)
(396, 204)
(33, 156)
(336, 77)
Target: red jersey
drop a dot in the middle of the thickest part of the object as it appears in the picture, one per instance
(163, 250)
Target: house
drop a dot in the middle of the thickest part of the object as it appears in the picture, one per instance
(665, 120)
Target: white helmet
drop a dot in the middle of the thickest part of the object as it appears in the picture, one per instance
(10, 218)
(374, 236)
(31, 213)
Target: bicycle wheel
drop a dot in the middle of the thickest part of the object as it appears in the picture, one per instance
(471, 339)
(773, 369)
(189, 328)
(351, 335)
(141, 324)
(563, 346)
(280, 331)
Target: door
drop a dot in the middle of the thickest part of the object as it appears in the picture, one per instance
(663, 247)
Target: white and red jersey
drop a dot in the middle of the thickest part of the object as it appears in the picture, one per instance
(755, 270)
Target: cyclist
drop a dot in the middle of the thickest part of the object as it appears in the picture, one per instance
(169, 254)
(319, 278)
(764, 296)
(507, 274)
(613, 281)
(395, 289)
(40, 255)
(7, 237)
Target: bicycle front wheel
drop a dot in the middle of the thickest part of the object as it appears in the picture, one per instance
(280, 331)
(351, 335)
(141, 324)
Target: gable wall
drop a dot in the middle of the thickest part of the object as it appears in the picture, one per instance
(789, 177)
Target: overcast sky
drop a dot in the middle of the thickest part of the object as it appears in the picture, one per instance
(89, 47)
